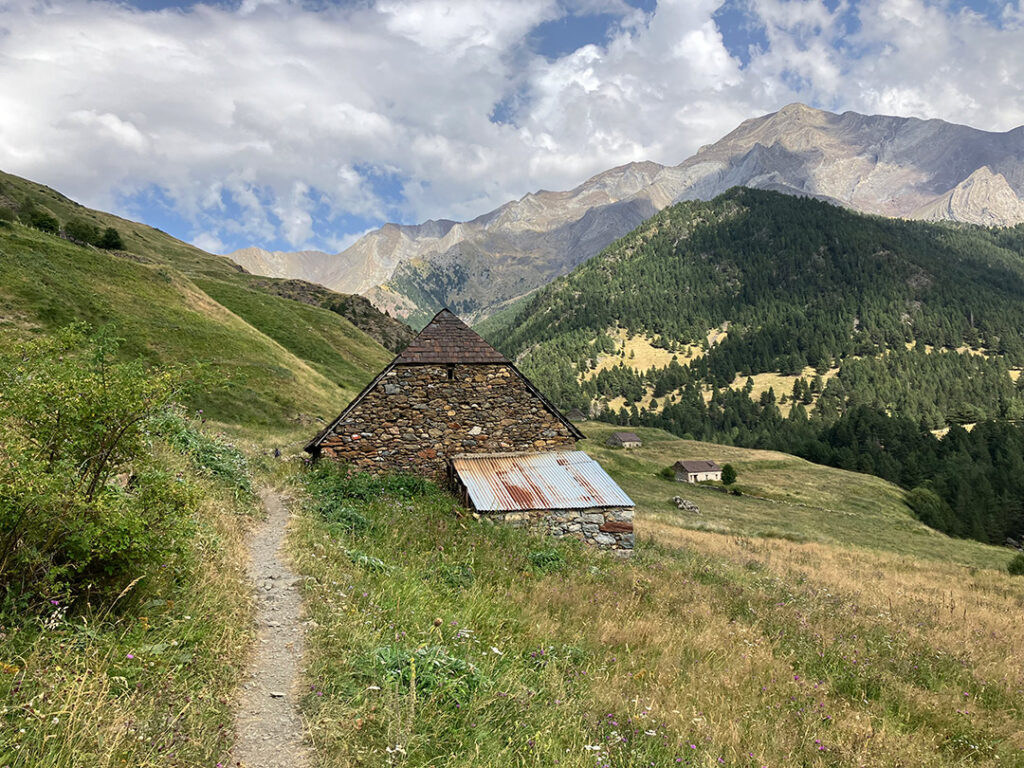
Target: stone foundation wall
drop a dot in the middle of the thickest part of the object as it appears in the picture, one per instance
(417, 417)
(604, 528)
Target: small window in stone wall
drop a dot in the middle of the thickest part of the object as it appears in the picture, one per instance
(451, 371)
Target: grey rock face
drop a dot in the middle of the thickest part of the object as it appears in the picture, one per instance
(890, 166)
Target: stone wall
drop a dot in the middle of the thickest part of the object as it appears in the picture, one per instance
(604, 528)
(417, 417)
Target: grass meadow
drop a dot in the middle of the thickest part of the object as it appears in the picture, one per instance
(442, 640)
(782, 497)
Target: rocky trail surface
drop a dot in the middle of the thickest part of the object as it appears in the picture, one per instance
(269, 727)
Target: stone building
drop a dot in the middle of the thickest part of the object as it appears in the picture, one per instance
(563, 493)
(448, 393)
(697, 471)
(624, 440)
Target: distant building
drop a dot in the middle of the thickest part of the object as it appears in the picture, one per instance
(575, 414)
(696, 471)
(624, 440)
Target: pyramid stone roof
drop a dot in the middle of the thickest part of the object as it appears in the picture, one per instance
(446, 339)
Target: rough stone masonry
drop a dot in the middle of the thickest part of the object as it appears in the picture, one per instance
(610, 528)
(418, 416)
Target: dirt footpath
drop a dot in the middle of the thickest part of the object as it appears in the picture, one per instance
(270, 730)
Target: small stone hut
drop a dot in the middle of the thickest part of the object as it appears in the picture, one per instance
(624, 440)
(575, 414)
(448, 393)
(696, 471)
(558, 493)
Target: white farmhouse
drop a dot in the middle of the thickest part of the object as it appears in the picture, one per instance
(696, 471)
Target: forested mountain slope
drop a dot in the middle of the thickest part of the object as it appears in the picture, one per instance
(774, 321)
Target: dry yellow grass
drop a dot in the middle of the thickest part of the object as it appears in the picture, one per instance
(642, 355)
(782, 384)
(704, 649)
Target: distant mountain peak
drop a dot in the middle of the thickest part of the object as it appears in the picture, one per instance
(886, 165)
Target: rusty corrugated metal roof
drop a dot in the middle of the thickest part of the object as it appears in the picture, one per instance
(446, 339)
(554, 480)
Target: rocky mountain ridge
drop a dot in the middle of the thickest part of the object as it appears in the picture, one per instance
(889, 166)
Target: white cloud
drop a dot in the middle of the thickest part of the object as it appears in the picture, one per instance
(253, 120)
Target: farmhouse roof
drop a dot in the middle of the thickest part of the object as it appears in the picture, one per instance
(446, 339)
(504, 482)
(626, 437)
(698, 466)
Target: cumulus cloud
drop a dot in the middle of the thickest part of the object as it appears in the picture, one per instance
(278, 123)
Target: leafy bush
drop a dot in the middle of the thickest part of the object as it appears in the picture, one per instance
(43, 220)
(546, 560)
(6, 214)
(369, 562)
(82, 231)
(458, 576)
(1016, 565)
(84, 506)
(431, 671)
(728, 474)
(328, 479)
(210, 454)
(342, 516)
(669, 473)
(111, 240)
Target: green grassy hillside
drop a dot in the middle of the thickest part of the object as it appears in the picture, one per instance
(441, 640)
(163, 316)
(782, 497)
(135, 661)
(276, 363)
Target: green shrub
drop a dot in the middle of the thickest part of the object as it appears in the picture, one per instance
(728, 474)
(435, 671)
(111, 240)
(341, 516)
(211, 454)
(1016, 565)
(669, 473)
(369, 562)
(329, 479)
(546, 560)
(43, 220)
(82, 231)
(458, 576)
(84, 505)
(7, 215)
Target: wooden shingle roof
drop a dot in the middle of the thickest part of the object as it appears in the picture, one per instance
(446, 339)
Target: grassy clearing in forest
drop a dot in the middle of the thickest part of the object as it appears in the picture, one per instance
(440, 639)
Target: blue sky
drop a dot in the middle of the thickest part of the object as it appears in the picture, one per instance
(294, 125)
